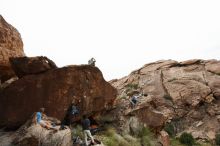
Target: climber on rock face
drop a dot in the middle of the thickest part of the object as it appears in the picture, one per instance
(72, 112)
(74, 109)
(134, 99)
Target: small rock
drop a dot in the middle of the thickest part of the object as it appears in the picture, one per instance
(210, 135)
(199, 123)
(209, 99)
(8, 82)
(196, 134)
(218, 117)
(210, 111)
(164, 138)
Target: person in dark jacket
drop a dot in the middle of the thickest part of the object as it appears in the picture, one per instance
(72, 112)
(134, 99)
(86, 130)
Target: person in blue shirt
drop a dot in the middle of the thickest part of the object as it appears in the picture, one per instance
(41, 121)
(39, 117)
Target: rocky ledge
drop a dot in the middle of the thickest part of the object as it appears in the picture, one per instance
(11, 45)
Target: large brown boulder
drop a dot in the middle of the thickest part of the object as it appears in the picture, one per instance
(11, 45)
(31, 65)
(55, 90)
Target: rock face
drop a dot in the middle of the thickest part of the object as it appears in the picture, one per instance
(55, 90)
(35, 135)
(31, 65)
(11, 45)
(183, 93)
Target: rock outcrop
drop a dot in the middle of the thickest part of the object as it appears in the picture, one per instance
(55, 90)
(23, 66)
(31, 134)
(11, 45)
(164, 138)
(182, 93)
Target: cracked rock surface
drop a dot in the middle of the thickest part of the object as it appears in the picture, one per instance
(11, 45)
(185, 94)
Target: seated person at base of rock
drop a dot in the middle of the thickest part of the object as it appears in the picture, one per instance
(43, 123)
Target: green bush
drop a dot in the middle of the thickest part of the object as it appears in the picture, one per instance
(112, 138)
(132, 140)
(144, 131)
(170, 129)
(77, 131)
(110, 141)
(175, 142)
(110, 132)
(217, 139)
(121, 97)
(146, 137)
(187, 139)
(147, 141)
(132, 86)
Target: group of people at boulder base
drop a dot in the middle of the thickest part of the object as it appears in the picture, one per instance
(41, 120)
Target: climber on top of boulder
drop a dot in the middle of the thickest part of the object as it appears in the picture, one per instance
(92, 61)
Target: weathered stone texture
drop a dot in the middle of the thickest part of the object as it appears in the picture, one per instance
(11, 45)
(183, 93)
(55, 90)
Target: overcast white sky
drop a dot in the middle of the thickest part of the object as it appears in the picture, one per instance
(122, 35)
